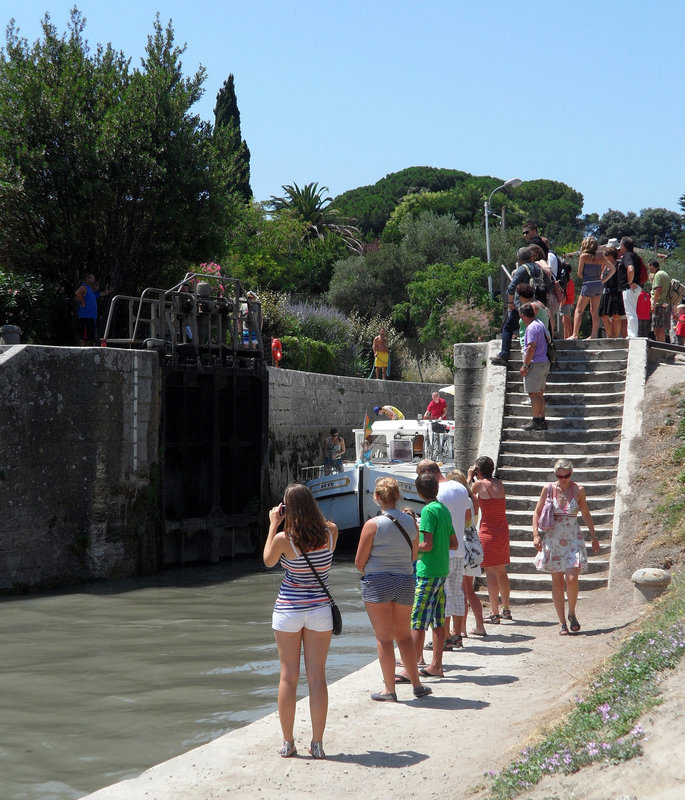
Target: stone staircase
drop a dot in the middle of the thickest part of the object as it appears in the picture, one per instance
(584, 397)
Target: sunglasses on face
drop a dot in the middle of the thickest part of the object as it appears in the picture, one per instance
(563, 477)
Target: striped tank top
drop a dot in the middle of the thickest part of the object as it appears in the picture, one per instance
(300, 590)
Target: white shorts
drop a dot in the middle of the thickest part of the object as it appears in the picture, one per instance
(294, 620)
(454, 591)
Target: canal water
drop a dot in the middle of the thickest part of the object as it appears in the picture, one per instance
(101, 682)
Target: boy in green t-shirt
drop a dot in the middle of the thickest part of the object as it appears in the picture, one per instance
(436, 539)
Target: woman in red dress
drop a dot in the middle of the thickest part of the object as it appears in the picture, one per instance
(494, 535)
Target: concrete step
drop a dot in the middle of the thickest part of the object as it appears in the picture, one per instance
(614, 366)
(584, 344)
(527, 502)
(555, 376)
(524, 549)
(570, 398)
(554, 448)
(516, 473)
(562, 409)
(523, 531)
(537, 461)
(521, 515)
(556, 386)
(532, 488)
(524, 565)
(565, 423)
(561, 434)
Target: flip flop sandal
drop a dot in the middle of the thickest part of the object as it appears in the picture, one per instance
(401, 679)
(477, 633)
(563, 631)
(573, 623)
(426, 674)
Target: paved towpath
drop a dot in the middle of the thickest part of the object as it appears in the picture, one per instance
(493, 694)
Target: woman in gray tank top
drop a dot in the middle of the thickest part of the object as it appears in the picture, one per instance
(387, 549)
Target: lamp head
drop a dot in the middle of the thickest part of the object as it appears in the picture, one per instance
(513, 182)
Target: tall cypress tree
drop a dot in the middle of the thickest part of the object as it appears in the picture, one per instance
(230, 146)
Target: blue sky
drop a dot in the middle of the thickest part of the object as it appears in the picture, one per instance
(345, 92)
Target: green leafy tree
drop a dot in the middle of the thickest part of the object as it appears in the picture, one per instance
(615, 224)
(371, 284)
(230, 147)
(103, 167)
(263, 252)
(321, 218)
(435, 290)
(662, 225)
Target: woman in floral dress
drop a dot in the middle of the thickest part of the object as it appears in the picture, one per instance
(561, 550)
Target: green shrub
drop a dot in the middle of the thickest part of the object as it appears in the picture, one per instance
(308, 355)
(38, 307)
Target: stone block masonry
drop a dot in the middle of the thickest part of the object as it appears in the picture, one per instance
(78, 465)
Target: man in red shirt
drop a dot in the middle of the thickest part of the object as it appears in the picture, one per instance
(437, 408)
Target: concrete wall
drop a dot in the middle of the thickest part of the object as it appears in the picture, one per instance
(78, 454)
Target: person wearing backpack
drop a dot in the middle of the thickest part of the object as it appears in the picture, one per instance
(526, 272)
(629, 283)
(661, 306)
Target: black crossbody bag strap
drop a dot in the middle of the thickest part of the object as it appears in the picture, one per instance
(317, 576)
(404, 533)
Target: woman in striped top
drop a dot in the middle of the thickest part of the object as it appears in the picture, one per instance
(302, 614)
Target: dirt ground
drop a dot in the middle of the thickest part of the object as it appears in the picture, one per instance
(496, 693)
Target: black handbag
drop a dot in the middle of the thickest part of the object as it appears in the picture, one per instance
(335, 611)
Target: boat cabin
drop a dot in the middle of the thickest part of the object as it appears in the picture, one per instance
(405, 441)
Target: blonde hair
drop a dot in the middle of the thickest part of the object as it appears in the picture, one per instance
(563, 463)
(387, 490)
(589, 245)
(457, 475)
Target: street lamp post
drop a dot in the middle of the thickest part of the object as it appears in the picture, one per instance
(514, 183)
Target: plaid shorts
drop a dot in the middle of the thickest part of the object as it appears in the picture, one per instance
(429, 604)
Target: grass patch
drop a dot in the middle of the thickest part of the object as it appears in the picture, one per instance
(604, 726)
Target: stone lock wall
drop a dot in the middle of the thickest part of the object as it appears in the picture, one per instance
(79, 451)
(78, 457)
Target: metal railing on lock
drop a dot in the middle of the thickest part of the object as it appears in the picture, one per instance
(207, 314)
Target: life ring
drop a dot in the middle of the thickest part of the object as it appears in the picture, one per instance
(276, 351)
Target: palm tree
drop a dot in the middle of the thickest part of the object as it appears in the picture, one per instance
(320, 217)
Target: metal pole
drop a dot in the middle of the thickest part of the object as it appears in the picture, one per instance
(504, 218)
(487, 243)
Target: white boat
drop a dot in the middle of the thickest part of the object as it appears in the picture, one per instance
(394, 448)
